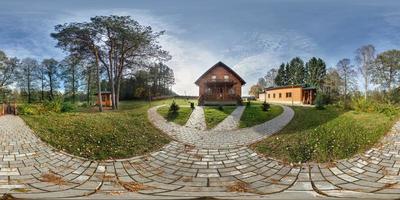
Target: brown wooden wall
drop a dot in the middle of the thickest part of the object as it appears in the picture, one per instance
(219, 72)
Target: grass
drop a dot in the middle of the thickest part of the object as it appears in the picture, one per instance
(108, 135)
(213, 115)
(180, 117)
(254, 114)
(325, 135)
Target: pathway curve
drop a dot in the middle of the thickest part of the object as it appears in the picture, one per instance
(197, 119)
(221, 139)
(232, 121)
(30, 168)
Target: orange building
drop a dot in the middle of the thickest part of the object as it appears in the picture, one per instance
(297, 94)
(220, 85)
(105, 98)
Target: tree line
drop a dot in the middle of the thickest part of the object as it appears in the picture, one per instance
(379, 70)
(105, 53)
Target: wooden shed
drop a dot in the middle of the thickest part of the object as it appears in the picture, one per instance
(106, 99)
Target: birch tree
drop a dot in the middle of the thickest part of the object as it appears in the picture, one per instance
(347, 74)
(365, 57)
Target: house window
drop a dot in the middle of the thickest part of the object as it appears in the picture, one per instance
(273, 95)
(208, 91)
(280, 95)
(231, 91)
(213, 77)
(288, 94)
(226, 77)
(269, 96)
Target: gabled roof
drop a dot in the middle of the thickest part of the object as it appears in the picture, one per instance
(221, 64)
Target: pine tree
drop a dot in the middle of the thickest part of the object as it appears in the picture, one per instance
(315, 72)
(280, 78)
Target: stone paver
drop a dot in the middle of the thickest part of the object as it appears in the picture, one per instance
(32, 169)
(197, 119)
(232, 121)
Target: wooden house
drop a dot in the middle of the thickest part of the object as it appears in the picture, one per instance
(292, 95)
(220, 85)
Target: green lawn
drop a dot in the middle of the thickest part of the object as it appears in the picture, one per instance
(254, 114)
(180, 117)
(111, 134)
(325, 135)
(214, 115)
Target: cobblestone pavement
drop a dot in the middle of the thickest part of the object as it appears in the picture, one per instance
(197, 119)
(220, 139)
(30, 168)
(232, 121)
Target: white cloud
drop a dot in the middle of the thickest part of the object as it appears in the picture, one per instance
(256, 53)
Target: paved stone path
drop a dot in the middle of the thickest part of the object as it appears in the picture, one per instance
(30, 168)
(197, 119)
(232, 121)
(220, 139)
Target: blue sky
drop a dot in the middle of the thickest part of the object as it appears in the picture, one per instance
(250, 36)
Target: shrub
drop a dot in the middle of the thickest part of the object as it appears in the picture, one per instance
(319, 102)
(26, 109)
(265, 106)
(173, 108)
(248, 103)
(192, 105)
(220, 107)
(53, 106)
(68, 107)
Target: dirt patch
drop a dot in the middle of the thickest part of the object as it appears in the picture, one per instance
(51, 177)
(239, 186)
(134, 187)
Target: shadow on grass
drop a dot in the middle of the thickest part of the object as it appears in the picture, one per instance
(307, 118)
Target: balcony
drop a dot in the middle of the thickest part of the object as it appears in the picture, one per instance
(227, 82)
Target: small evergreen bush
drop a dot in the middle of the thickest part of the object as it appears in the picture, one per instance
(265, 106)
(174, 108)
(192, 105)
(68, 107)
(248, 103)
(319, 102)
(220, 107)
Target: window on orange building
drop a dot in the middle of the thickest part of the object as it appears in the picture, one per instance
(280, 95)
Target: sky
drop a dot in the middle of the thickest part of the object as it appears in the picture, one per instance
(250, 36)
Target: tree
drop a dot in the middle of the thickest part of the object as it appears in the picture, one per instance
(332, 84)
(52, 74)
(315, 72)
(8, 67)
(27, 74)
(281, 76)
(72, 74)
(387, 69)
(262, 82)
(119, 43)
(347, 73)
(296, 71)
(270, 78)
(365, 57)
(255, 90)
(82, 39)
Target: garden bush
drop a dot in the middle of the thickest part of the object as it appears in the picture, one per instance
(192, 105)
(265, 106)
(30, 109)
(68, 107)
(174, 108)
(319, 102)
(53, 106)
(220, 107)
